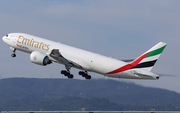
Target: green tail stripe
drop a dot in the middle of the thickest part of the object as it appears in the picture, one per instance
(156, 52)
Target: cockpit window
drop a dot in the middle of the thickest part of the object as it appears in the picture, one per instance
(6, 35)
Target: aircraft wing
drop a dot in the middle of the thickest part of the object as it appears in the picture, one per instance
(58, 57)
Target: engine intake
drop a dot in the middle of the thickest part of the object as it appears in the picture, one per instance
(39, 58)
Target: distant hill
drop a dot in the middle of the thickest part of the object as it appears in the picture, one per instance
(70, 94)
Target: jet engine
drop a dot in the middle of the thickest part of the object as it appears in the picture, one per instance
(39, 58)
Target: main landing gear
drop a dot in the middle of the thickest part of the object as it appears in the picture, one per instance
(14, 55)
(71, 76)
(67, 73)
(85, 74)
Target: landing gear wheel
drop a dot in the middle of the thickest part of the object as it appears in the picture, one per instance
(63, 72)
(71, 76)
(67, 74)
(88, 77)
(84, 75)
(13, 55)
(81, 72)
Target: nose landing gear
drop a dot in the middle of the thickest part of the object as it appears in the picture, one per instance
(14, 50)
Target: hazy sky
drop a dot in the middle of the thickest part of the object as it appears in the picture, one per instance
(117, 28)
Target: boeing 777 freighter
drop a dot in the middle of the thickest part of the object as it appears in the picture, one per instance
(44, 52)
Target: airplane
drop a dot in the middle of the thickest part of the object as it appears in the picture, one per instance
(44, 52)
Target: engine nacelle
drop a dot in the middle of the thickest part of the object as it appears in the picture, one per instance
(39, 58)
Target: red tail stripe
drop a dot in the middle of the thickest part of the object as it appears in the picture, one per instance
(129, 66)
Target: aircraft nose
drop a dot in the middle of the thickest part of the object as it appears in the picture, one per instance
(3, 38)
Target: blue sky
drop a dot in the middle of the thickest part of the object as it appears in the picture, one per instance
(120, 29)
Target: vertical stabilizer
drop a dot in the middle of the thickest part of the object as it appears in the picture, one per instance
(150, 57)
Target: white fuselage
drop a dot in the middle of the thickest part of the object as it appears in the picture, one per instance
(89, 61)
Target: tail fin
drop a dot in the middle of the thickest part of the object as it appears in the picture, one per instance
(149, 58)
(145, 61)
